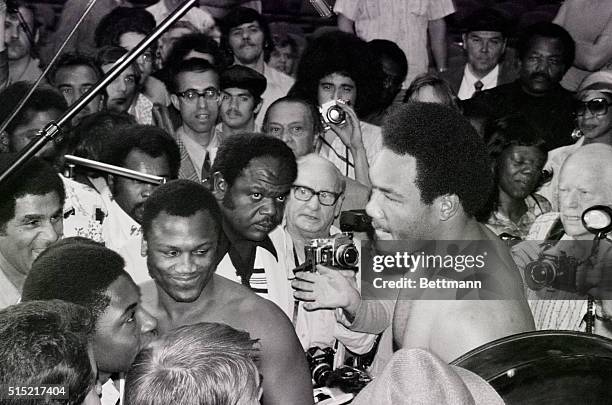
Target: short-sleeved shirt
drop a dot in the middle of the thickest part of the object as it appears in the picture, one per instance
(404, 22)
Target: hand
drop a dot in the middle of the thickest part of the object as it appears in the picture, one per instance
(350, 132)
(327, 288)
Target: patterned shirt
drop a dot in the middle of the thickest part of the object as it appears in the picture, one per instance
(404, 22)
(536, 206)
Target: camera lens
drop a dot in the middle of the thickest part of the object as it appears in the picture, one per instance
(540, 273)
(320, 374)
(335, 115)
(347, 256)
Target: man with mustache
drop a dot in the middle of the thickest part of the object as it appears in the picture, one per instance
(30, 221)
(251, 179)
(148, 150)
(20, 37)
(241, 90)
(245, 33)
(546, 51)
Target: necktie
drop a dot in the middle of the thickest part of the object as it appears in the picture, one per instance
(206, 167)
(478, 86)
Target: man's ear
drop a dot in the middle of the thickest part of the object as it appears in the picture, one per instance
(143, 247)
(448, 206)
(258, 107)
(175, 101)
(464, 39)
(110, 180)
(338, 207)
(219, 186)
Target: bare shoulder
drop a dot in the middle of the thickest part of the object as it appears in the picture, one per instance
(461, 326)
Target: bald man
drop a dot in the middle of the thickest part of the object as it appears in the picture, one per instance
(585, 180)
(314, 202)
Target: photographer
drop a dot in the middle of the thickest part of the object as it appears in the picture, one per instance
(338, 73)
(314, 202)
(584, 181)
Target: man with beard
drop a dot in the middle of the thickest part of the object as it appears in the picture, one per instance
(148, 150)
(245, 33)
(546, 51)
(20, 37)
(251, 179)
(241, 90)
(182, 230)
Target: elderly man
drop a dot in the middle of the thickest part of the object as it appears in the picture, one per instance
(315, 201)
(580, 187)
(435, 149)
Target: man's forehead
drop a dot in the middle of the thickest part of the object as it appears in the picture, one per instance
(485, 34)
(72, 72)
(123, 292)
(289, 111)
(33, 203)
(237, 91)
(317, 175)
(338, 77)
(386, 167)
(198, 80)
(253, 23)
(541, 43)
(267, 169)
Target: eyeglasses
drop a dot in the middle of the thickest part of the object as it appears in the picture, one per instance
(191, 95)
(303, 193)
(596, 106)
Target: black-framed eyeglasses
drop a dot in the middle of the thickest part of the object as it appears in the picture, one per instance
(304, 193)
(192, 95)
(596, 106)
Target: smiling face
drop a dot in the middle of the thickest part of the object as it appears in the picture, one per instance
(582, 185)
(37, 223)
(395, 204)
(247, 42)
(199, 116)
(123, 329)
(519, 170)
(253, 206)
(181, 253)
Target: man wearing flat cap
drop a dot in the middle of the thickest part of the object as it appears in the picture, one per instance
(485, 33)
(241, 90)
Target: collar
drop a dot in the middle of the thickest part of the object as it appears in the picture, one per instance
(488, 81)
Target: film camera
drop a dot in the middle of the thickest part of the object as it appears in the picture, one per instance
(355, 221)
(552, 271)
(337, 251)
(346, 378)
(332, 113)
(559, 271)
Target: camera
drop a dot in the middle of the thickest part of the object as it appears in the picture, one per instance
(552, 271)
(337, 251)
(332, 113)
(348, 379)
(355, 221)
(320, 361)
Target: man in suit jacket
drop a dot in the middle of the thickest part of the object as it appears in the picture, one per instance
(484, 41)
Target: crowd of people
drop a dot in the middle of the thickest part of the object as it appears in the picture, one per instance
(197, 282)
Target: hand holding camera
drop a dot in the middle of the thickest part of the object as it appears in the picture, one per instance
(340, 118)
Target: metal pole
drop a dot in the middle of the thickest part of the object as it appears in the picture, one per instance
(112, 169)
(52, 129)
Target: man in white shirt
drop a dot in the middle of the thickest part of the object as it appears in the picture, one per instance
(198, 17)
(247, 35)
(196, 95)
(148, 150)
(484, 41)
